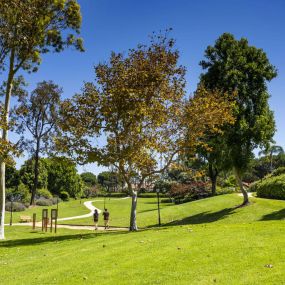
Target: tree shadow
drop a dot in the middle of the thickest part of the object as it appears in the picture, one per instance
(47, 239)
(277, 215)
(203, 218)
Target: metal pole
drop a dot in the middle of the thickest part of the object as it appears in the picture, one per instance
(158, 209)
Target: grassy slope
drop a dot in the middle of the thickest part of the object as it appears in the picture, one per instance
(66, 209)
(220, 209)
(222, 246)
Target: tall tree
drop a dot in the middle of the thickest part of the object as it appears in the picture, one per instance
(37, 114)
(138, 105)
(27, 30)
(234, 65)
(270, 151)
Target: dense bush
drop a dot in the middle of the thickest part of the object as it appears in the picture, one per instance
(44, 193)
(55, 200)
(271, 187)
(64, 195)
(278, 171)
(229, 182)
(195, 190)
(16, 207)
(226, 190)
(44, 202)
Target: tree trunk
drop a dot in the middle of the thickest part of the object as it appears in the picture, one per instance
(8, 94)
(133, 219)
(243, 191)
(36, 174)
(213, 173)
(271, 161)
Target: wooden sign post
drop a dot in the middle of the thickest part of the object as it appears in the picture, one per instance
(44, 219)
(53, 218)
(34, 220)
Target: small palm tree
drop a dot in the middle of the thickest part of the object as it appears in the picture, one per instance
(272, 150)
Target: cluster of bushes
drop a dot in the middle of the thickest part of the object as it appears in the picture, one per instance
(272, 186)
(16, 206)
(21, 198)
(194, 190)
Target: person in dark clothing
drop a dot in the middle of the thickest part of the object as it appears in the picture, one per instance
(96, 218)
(106, 215)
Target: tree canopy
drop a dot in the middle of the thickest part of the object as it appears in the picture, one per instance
(138, 103)
(234, 66)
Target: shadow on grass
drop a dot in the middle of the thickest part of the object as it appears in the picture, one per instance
(203, 218)
(45, 239)
(277, 215)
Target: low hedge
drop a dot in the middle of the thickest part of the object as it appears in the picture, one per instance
(16, 207)
(272, 187)
(44, 202)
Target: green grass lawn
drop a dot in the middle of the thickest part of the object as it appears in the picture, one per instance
(66, 209)
(202, 242)
(220, 209)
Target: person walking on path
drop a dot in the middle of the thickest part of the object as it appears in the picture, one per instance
(96, 218)
(106, 215)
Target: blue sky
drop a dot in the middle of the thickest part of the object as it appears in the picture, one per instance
(121, 24)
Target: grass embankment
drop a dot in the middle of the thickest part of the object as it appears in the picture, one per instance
(220, 245)
(66, 209)
(220, 209)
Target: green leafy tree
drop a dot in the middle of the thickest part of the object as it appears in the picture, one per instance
(27, 173)
(27, 30)
(12, 177)
(234, 66)
(270, 151)
(89, 178)
(63, 177)
(37, 115)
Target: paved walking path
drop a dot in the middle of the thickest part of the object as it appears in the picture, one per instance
(88, 205)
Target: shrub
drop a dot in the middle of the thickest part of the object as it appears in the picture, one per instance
(16, 207)
(195, 190)
(55, 200)
(44, 202)
(229, 182)
(64, 195)
(225, 190)
(271, 187)
(278, 171)
(44, 193)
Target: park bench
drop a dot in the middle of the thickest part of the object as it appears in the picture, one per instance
(25, 219)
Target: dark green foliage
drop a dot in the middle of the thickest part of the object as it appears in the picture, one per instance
(12, 177)
(272, 187)
(44, 193)
(110, 180)
(234, 66)
(62, 176)
(89, 178)
(20, 193)
(64, 195)
(27, 173)
(278, 171)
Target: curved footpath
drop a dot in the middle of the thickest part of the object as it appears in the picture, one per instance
(88, 205)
